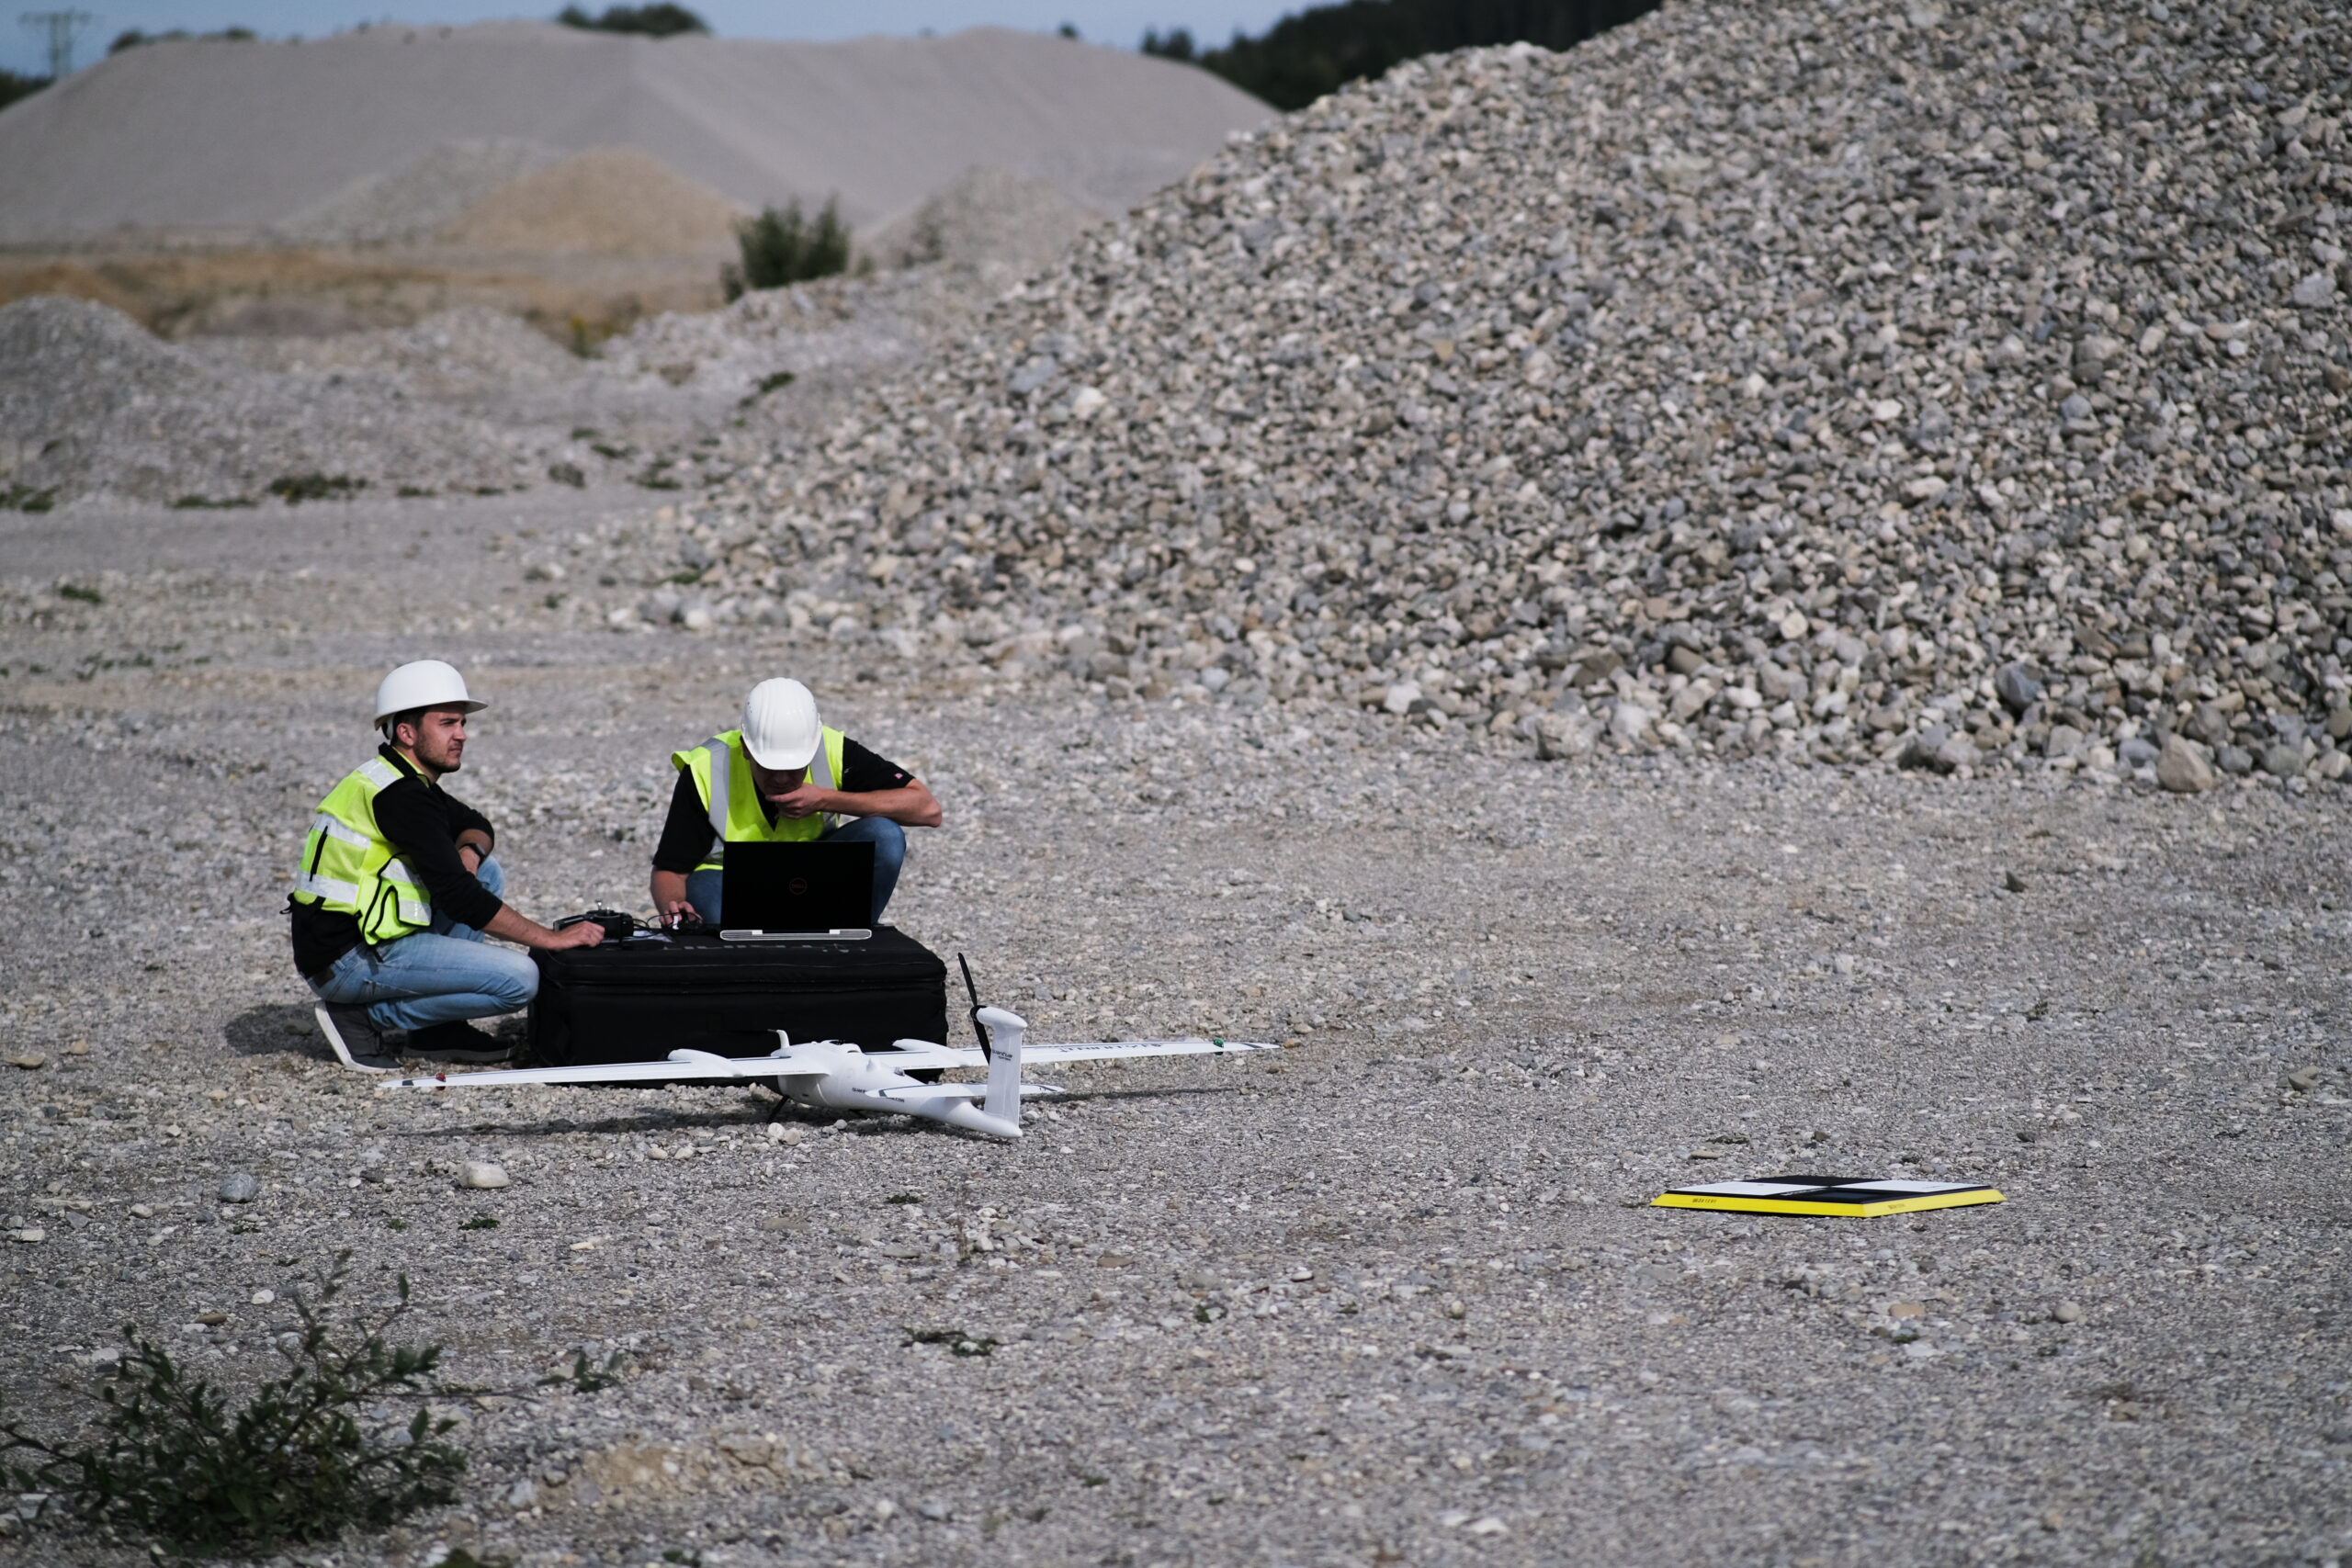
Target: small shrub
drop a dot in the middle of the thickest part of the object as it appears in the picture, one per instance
(25, 497)
(133, 38)
(309, 1455)
(207, 504)
(295, 489)
(300, 1460)
(12, 87)
(658, 20)
(480, 1222)
(958, 1343)
(79, 595)
(783, 247)
(1177, 45)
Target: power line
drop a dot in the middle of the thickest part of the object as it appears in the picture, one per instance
(64, 27)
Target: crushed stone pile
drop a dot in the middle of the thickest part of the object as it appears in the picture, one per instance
(608, 201)
(91, 404)
(1847, 380)
(406, 205)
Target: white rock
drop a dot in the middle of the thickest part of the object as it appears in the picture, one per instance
(1629, 720)
(483, 1176)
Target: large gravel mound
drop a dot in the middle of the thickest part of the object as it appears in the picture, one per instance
(1747, 378)
(233, 138)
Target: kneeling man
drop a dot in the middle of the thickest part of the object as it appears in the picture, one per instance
(397, 887)
(781, 777)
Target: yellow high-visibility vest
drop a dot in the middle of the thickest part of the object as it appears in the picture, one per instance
(349, 867)
(738, 816)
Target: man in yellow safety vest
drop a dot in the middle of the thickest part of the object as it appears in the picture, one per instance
(782, 776)
(396, 889)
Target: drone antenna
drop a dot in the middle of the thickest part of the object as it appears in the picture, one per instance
(973, 991)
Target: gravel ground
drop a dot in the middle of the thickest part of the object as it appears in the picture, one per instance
(1402, 1303)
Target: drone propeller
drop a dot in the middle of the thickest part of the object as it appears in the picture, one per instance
(973, 991)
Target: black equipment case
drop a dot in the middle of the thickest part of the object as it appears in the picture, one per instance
(639, 1000)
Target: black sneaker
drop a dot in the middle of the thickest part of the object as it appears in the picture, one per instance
(358, 1044)
(455, 1041)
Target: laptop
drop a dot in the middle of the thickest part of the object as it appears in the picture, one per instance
(804, 892)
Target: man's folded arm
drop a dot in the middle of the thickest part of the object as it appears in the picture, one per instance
(420, 828)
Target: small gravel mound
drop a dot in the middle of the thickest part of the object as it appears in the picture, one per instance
(610, 201)
(986, 217)
(409, 203)
(1746, 379)
(91, 404)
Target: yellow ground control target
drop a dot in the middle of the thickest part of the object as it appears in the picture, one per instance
(1854, 1197)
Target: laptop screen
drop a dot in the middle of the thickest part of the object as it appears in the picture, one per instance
(796, 887)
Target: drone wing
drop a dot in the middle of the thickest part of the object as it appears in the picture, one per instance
(964, 1091)
(682, 1067)
(1122, 1049)
(921, 1055)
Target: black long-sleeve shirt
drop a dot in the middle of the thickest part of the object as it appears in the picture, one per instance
(422, 821)
(687, 832)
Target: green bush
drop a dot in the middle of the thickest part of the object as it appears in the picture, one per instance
(296, 489)
(300, 1460)
(311, 1453)
(780, 248)
(659, 20)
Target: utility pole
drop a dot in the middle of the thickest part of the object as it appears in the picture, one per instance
(63, 26)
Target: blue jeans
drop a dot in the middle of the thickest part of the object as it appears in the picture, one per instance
(434, 976)
(890, 842)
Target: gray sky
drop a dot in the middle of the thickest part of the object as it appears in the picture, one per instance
(1119, 22)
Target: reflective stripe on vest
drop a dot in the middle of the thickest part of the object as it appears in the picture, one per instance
(718, 756)
(349, 868)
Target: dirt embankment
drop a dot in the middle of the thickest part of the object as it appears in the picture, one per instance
(299, 291)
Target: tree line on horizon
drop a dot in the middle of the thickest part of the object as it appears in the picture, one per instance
(661, 20)
(1312, 52)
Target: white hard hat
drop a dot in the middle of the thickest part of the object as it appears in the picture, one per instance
(780, 726)
(427, 684)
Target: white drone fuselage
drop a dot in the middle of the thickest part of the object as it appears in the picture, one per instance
(831, 1075)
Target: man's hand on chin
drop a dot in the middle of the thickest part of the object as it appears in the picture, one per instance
(802, 800)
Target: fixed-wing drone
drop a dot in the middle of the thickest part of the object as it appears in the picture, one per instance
(829, 1074)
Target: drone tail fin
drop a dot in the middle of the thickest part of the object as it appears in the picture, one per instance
(1002, 1031)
